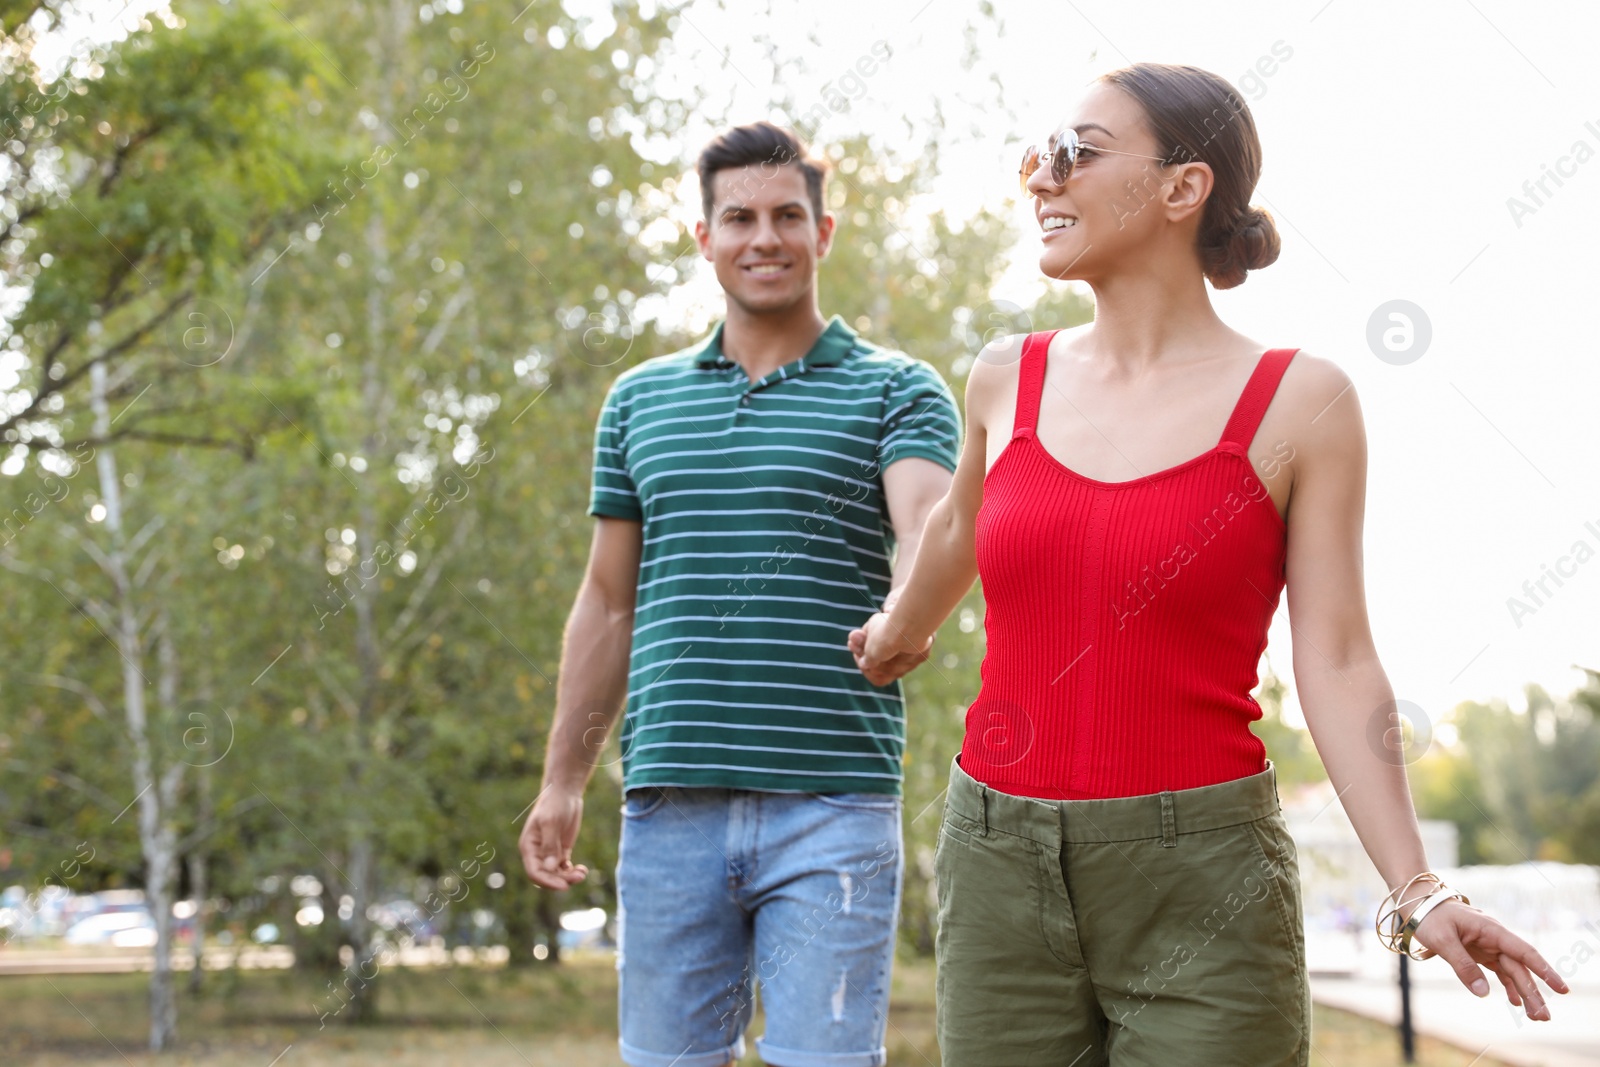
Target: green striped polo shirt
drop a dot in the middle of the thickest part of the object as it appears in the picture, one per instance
(766, 541)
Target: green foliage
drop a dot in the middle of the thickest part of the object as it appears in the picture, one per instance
(385, 693)
(129, 194)
(1521, 785)
(1290, 748)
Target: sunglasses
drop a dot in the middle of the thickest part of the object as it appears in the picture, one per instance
(1061, 153)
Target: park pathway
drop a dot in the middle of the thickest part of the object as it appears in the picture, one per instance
(1441, 1007)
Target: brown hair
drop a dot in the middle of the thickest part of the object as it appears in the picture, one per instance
(1197, 117)
(760, 144)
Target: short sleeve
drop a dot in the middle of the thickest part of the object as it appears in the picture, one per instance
(921, 420)
(612, 494)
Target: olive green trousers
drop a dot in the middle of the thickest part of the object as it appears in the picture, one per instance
(1134, 932)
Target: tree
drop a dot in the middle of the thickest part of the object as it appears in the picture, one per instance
(164, 151)
(468, 242)
(1520, 785)
(136, 182)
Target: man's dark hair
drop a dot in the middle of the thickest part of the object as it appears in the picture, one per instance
(765, 145)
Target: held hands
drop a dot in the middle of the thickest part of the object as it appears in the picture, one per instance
(547, 838)
(883, 652)
(1466, 937)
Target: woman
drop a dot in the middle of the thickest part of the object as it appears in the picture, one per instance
(1116, 884)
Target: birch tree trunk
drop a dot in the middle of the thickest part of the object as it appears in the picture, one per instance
(197, 881)
(156, 788)
(377, 403)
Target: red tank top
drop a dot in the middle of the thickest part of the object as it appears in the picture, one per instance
(1125, 620)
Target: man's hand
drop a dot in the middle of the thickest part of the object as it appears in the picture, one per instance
(547, 839)
(884, 653)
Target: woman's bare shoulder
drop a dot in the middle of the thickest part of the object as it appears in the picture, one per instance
(1312, 385)
(1316, 408)
(993, 376)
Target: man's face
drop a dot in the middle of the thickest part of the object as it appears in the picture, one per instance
(763, 238)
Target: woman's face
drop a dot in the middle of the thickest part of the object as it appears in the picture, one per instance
(1111, 203)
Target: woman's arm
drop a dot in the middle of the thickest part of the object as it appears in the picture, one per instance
(889, 645)
(1348, 703)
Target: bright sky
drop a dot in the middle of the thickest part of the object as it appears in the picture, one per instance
(1394, 135)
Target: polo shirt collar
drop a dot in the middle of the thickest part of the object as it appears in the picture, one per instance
(831, 346)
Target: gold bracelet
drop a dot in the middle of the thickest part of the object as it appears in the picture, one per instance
(1433, 901)
(1390, 924)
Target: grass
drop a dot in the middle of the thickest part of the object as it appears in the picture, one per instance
(486, 1018)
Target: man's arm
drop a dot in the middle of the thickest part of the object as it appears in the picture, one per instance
(945, 557)
(590, 690)
(911, 487)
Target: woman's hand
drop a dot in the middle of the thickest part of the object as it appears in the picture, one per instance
(883, 652)
(1466, 937)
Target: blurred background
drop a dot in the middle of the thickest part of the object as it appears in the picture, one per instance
(306, 315)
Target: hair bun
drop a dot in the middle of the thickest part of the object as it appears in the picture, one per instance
(1253, 244)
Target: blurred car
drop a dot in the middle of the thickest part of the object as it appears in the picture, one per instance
(83, 905)
(118, 929)
(403, 922)
(584, 929)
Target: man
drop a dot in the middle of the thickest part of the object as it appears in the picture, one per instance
(748, 492)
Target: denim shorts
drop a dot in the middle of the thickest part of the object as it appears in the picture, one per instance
(724, 891)
(1138, 931)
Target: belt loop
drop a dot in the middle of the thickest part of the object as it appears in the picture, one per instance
(1169, 822)
(983, 806)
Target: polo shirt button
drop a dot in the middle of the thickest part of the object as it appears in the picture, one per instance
(743, 400)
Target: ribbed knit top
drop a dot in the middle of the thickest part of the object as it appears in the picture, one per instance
(1125, 620)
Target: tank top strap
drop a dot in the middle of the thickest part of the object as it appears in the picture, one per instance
(1030, 381)
(1258, 393)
